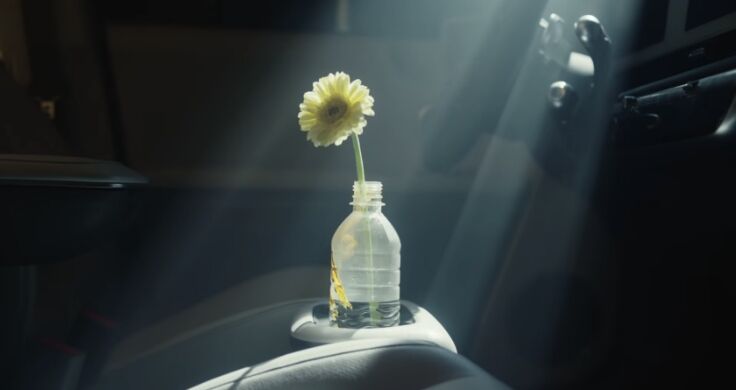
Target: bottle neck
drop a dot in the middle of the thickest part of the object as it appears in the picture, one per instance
(367, 208)
(367, 196)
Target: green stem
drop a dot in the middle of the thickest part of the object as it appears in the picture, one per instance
(372, 305)
(358, 159)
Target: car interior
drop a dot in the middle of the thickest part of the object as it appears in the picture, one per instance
(559, 173)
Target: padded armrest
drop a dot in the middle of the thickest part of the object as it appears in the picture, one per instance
(23, 170)
(361, 364)
(55, 207)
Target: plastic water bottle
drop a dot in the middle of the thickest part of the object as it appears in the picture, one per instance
(366, 260)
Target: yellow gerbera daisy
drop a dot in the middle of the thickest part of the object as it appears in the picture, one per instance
(335, 109)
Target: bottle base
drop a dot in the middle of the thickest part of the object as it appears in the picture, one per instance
(366, 315)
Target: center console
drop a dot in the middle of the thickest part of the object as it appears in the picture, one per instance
(284, 333)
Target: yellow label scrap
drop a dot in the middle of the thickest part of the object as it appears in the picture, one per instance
(337, 285)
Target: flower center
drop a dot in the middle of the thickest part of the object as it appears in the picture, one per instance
(335, 110)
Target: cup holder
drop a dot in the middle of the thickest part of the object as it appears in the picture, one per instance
(311, 326)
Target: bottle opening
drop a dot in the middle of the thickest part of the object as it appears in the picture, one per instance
(367, 194)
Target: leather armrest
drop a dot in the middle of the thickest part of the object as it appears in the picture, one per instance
(361, 364)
